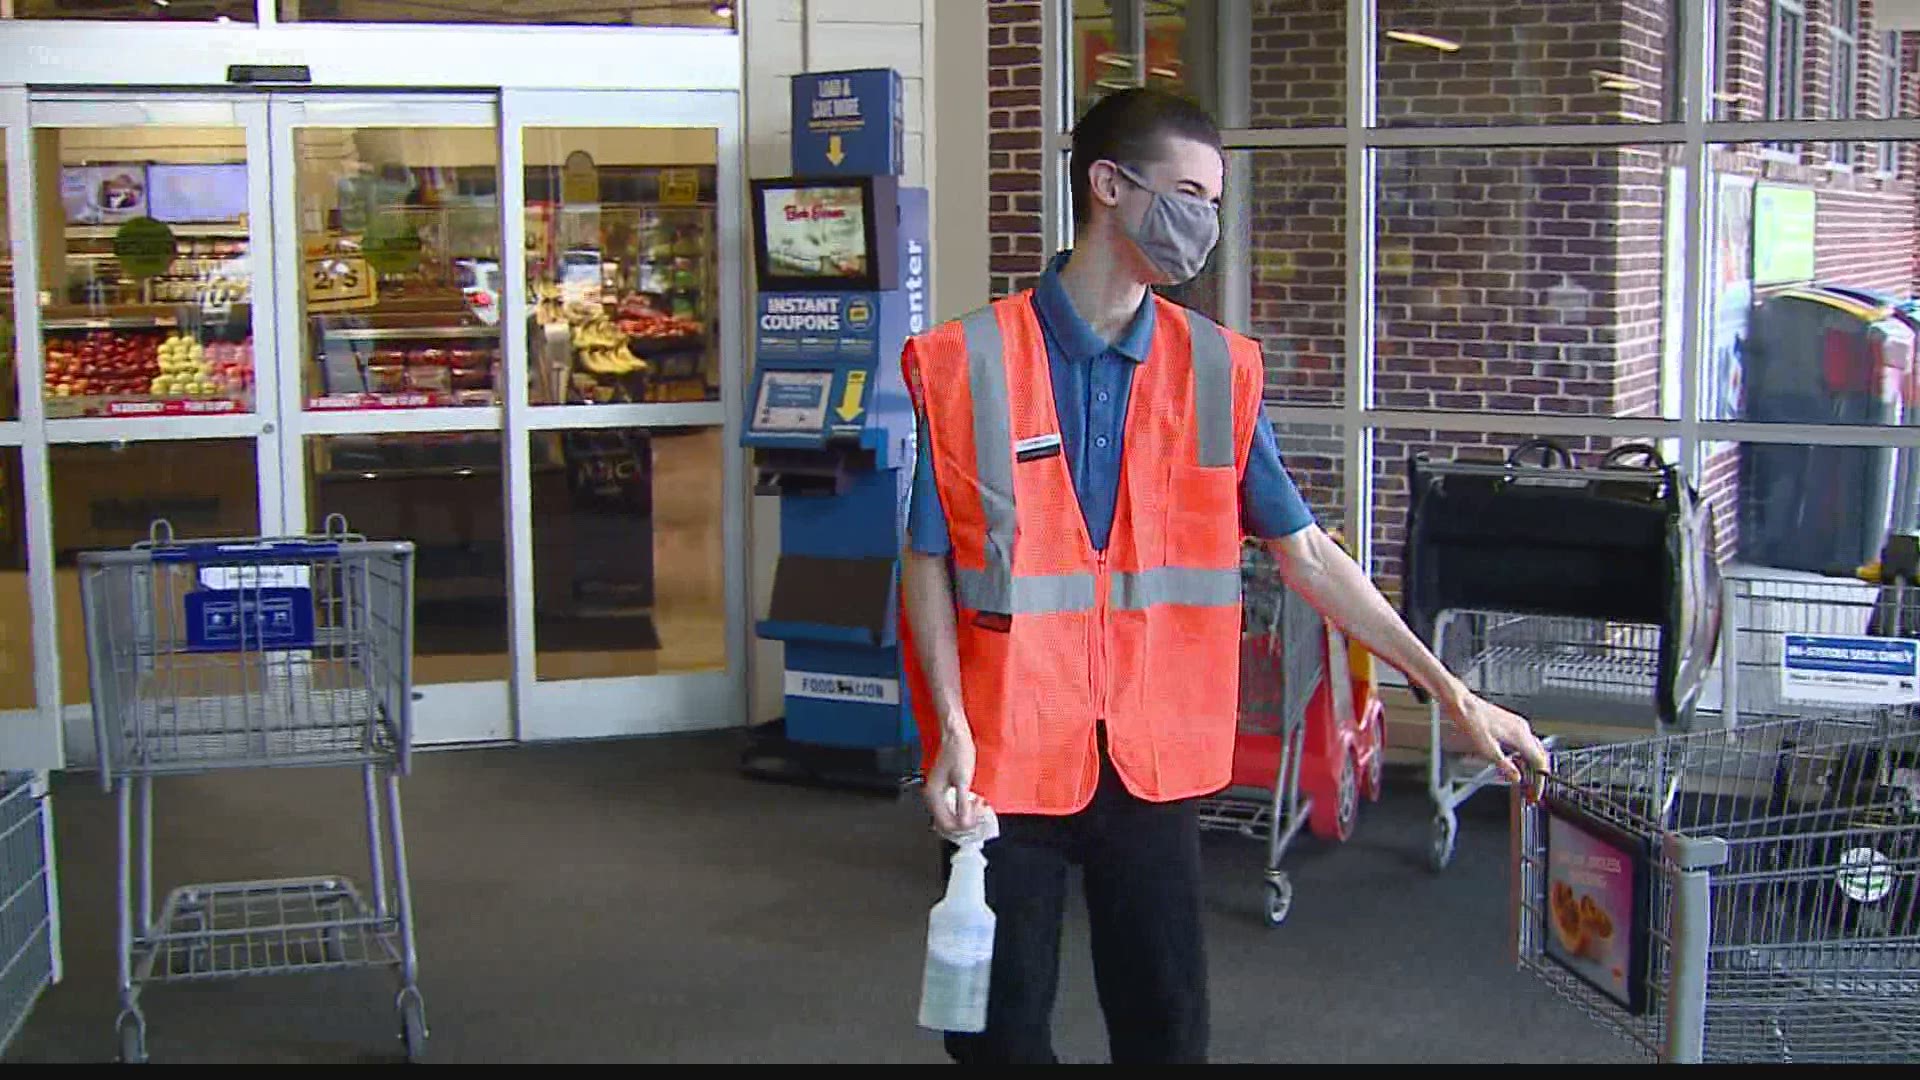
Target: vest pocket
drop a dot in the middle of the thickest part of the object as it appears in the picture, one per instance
(1203, 516)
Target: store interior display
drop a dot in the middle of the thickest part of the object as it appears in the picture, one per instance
(146, 278)
(630, 275)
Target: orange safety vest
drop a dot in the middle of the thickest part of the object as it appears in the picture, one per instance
(1055, 637)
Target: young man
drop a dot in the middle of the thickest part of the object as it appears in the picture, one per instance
(1090, 459)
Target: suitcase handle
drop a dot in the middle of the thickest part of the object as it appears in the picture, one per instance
(1550, 453)
(1648, 454)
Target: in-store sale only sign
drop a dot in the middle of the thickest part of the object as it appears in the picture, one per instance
(1850, 670)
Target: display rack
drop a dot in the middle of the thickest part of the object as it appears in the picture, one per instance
(353, 375)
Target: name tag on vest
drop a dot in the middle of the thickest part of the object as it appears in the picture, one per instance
(1040, 446)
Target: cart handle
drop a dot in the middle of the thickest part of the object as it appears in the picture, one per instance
(232, 553)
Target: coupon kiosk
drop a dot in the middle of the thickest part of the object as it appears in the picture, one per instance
(842, 278)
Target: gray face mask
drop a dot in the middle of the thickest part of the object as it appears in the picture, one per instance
(1177, 233)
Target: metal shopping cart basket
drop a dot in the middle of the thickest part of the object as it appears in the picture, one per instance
(1749, 893)
(234, 654)
(29, 956)
(1280, 664)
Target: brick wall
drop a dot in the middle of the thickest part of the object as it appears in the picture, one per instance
(1014, 141)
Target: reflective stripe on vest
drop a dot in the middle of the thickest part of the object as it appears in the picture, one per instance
(1212, 391)
(993, 465)
(1055, 594)
(995, 589)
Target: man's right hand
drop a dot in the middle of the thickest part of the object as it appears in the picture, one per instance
(948, 790)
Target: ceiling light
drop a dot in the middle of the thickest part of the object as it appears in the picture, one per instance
(1616, 77)
(1115, 60)
(1619, 84)
(1430, 41)
(1163, 73)
(722, 10)
(162, 3)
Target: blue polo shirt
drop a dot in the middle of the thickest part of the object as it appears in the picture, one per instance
(1091, 379)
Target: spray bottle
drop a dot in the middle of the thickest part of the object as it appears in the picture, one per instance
(953, 990)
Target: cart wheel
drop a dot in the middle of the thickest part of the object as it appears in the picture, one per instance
(1347, 808)
(1377, 772)
(1279, 899)
(1440, 849)
(413, 1025)
(133, 1039)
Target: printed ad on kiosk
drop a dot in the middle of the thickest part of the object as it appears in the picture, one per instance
(818, 231)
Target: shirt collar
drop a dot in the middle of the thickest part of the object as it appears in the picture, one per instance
(1075, 337)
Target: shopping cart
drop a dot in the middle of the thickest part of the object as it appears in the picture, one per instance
(29, 929)
(1311, 738)
(1576, 671)
(1571, 595)
(1746, 893)
(234, 654)
(1733, 896)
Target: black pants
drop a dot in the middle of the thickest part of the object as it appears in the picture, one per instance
(1141, 863)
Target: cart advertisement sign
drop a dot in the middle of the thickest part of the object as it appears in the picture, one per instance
(1596, 905)
(1850, 670)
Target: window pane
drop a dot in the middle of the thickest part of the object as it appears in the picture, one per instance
(1789, 506)
(629, 567)
(623, 263)
(146, 284)
(1528, 281)
(1296, 205)
(1298, 70)
(1103, 50)
(446, 494)
(696, 13)
(400, 287)
(107, 495)
(1812, 275)
(1393, 447)
(1482, 62)
(172, 11)
(16, 610)
(1315, 458)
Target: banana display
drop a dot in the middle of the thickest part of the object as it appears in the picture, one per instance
(620, 361)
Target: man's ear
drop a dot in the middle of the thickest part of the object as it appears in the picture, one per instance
(1104, 180)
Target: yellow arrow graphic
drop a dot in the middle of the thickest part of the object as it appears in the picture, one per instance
(837, 155)
(850, 403)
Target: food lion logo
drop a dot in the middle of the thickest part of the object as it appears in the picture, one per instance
(852, 688)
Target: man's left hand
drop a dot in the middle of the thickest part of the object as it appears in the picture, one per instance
(1499, 736)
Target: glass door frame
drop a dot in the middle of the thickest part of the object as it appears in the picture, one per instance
(638, 704)
(30, 738)
(83, 109)
(448, 713)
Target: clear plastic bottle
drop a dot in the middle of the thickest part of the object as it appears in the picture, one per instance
(953, 992)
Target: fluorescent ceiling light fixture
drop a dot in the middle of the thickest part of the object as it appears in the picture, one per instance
(1116, 60)
(1616, 77)
(1164, 73)
(723, 10)
(1413, 37)
(1619, 84)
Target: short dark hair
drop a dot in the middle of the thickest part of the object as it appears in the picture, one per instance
(1131, 127)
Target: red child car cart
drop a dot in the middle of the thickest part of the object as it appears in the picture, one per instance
(1312, 728)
